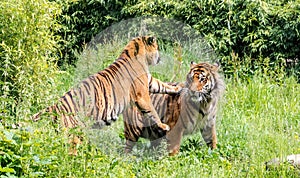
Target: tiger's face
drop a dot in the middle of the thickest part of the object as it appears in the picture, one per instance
(200, 78)
(151, 47)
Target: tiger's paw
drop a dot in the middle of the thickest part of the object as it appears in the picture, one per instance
(174, 151)
(178, 89)
(174, 90)
(164, 127)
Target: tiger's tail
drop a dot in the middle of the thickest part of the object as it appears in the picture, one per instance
(37, 116)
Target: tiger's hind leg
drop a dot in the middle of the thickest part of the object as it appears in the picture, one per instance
(174, 138)
(133, 127)
(132, 132)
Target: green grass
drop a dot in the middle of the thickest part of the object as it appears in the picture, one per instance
(257, 121)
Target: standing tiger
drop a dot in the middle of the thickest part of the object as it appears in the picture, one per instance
(191, 110)
(107, 93)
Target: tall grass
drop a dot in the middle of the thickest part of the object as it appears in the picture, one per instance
(258, 119)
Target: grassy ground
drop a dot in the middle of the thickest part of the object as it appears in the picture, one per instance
(257, 121)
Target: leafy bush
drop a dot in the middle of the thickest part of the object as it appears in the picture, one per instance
(83, 19)
(27, 54)
(244, 30)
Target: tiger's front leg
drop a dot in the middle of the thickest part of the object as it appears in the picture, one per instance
(144, 104)
(129, 146)
(157, 86)
(209, 134)
(174, 138)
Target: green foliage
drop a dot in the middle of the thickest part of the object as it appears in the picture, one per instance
(247, 29)
(27, 54)
(10, 156)
(83, 19)
(40, 153)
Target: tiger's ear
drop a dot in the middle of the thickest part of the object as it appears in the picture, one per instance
(216, 66)
(151, 40)
(192, 64)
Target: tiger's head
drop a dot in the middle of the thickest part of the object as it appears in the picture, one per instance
(151, 47)
(203, 79)
(143, 48)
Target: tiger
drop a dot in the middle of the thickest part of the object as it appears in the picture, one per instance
(192, 110)
(104, 95)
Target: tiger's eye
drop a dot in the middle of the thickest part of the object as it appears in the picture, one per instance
(202, 79)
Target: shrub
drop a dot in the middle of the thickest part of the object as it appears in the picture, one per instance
(244, 30)
(27, 54)
(239, 30)
(83, 19)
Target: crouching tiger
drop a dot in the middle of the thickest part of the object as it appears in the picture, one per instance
(192, 110)
(105, 94)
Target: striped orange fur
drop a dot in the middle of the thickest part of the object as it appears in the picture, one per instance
(194, 109)
(104, 95)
